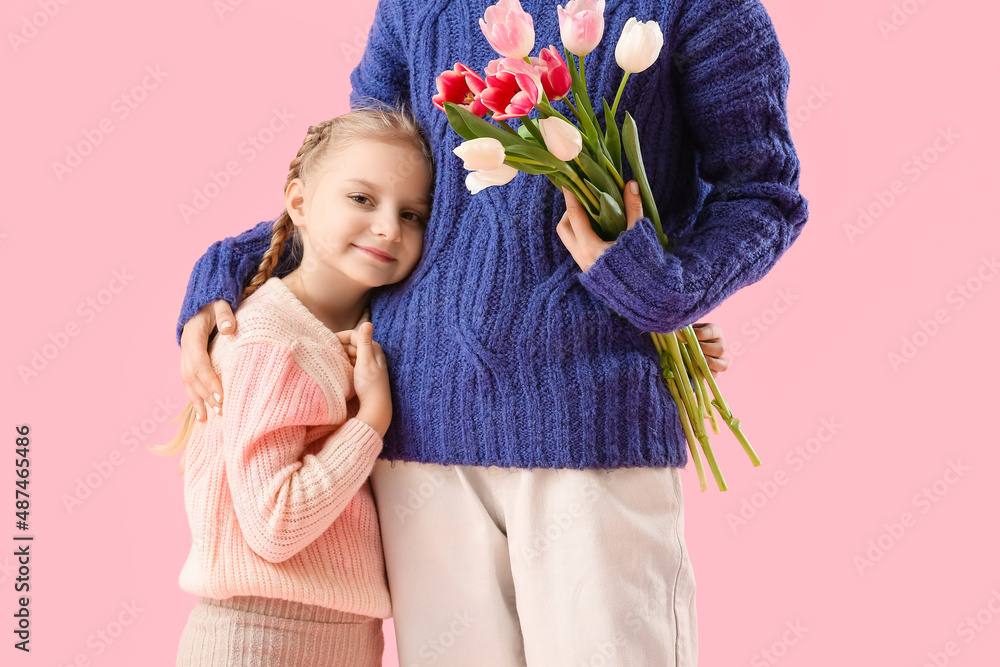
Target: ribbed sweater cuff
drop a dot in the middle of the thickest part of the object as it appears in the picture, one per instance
(357, 446)
(625, 274)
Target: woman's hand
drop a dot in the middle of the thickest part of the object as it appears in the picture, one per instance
(586, 246)
(712, 345)
(201, 383)
(580, 238)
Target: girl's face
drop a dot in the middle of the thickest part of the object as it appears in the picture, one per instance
(370, 194)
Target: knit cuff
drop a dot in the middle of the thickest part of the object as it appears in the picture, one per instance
(625, 274)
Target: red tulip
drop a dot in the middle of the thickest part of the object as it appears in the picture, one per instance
(463, 86)
(556, 79)
(513, 88)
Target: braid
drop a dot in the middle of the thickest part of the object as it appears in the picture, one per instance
(312, 147)
(376, 120)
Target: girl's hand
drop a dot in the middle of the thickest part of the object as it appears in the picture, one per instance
(712, 345)
(371, 380)
(349, 347)
(580, 238)
(201, 383)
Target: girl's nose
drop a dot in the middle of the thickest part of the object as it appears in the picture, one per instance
(387, 225)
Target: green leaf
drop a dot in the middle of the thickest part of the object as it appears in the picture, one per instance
(563, 181)
(594, 190)
(529, 168)
(630, 140)
(586, 124)
(612, 139)
(457, 120)
(525, 134)
(470, 126)
(611, 218)
(600, 176)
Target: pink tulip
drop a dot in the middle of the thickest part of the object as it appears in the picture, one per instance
(556, 79)
(462, 86)
(509, 29)
(581, 25)
(513, 88)
(481, 154)
(478, 180)
(562, 139)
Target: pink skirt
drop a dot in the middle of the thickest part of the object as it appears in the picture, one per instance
(247, 631)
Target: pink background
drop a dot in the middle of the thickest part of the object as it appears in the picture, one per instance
(810, 345)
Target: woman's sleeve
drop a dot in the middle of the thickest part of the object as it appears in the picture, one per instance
(226, 267)
(285, 499)
(383, 72)
(732, 82)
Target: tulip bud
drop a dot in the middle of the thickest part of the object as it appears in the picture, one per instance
(509, 29)
(562, 139)
(478, 180)
(639, 46)
(484, 153)
(581, 25)
(555, 76)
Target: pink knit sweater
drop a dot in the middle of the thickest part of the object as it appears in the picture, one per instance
(276, 488)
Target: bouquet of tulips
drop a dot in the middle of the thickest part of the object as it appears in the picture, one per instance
(585, 159)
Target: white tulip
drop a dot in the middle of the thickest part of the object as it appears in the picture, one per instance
(639, 46)
(562, 139)
(484, 153)
(477, 180)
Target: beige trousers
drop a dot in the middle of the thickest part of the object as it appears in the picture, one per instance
(506, 567)
(249, 631)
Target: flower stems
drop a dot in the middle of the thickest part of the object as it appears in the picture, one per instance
(682, 361)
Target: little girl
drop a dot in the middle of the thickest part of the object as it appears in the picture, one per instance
(286, 553)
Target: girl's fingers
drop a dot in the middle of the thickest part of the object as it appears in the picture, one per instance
(364, 342)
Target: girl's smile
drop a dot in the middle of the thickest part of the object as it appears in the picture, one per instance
(376, 253)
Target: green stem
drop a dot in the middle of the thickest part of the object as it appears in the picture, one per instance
(504, 125)
(719, 402)
(583, 187)
(571, 107)
(523, 160)
(552, 112)
(621, 87)
(691, 405)
(572, 188)
(614, 172)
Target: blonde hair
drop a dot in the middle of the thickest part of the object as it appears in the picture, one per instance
(374, 121)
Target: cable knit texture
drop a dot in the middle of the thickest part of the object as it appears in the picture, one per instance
(501, 351)
(276, 488)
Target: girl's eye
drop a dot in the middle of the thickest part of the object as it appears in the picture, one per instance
(416, 217)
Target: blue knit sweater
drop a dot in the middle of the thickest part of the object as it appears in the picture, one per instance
(500, 350)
